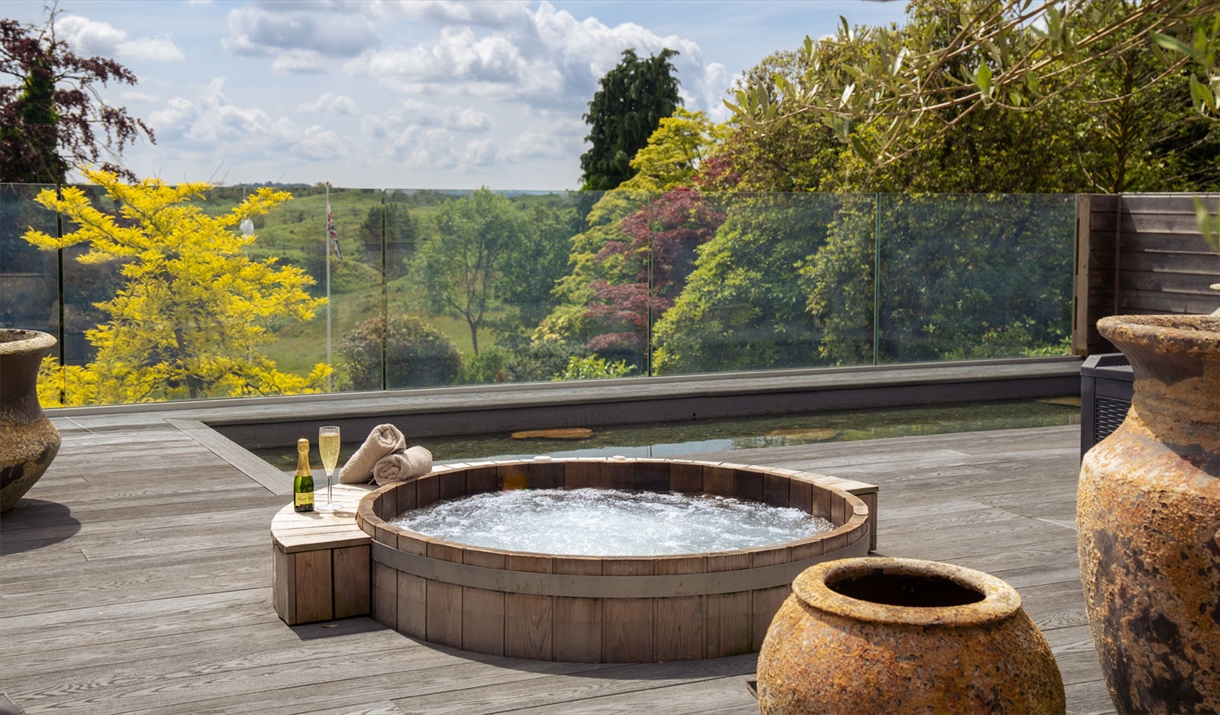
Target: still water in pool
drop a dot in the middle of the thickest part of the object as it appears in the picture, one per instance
(609, 522)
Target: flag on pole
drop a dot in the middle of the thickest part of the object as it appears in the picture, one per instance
(332, 233)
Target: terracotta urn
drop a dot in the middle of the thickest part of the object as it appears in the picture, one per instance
(1148, 521)
(881, 635)
(28, 440)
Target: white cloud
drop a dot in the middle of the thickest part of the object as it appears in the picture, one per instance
(131, 95)
(543, 145)
(274, 28)
(453, 12)
(431, 137)
(210, 123)
(318, 143)
(480, 152)
(412, 114)
(299, 62)
(421, 135)
(329, 103)
(93, 37)
(156, 49)
(544, 58)
(469, 120)
(89, 37)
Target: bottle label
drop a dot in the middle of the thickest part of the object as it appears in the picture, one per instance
(303, 499)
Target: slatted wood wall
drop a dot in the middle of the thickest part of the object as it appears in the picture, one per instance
(1139, 254)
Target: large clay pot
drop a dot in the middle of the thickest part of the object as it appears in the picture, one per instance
(879, 635)
(28, 440)
(1148, 520)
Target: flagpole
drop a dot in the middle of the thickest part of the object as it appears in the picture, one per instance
(326, 244)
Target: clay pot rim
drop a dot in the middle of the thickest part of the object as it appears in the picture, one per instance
(1000, 600)
(1192, 332)
(14, 341)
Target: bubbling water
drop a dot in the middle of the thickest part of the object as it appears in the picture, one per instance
(609, 522)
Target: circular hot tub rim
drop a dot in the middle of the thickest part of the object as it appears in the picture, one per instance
(410, 569)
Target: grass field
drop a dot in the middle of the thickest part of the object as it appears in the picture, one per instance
(299, 346)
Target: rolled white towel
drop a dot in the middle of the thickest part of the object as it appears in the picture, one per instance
(403, 466)
(383, 440)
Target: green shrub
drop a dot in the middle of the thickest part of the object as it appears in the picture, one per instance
(417, 354)
(485, 367)
(593, 368)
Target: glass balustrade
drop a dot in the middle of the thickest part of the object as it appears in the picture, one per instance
(434, 288)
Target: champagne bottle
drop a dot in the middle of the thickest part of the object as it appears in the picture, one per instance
(302, 484)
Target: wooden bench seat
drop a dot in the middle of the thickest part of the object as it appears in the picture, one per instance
(320, 562)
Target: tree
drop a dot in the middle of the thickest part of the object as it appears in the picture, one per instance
(674, 153)
(966, 276)
(530, 270)
(633, 98)
(195, 309)
(459, 268)
(400, 235)
(51, 118)
(657, 257)
(743, 306)
(1014, 54)
(1116, 120)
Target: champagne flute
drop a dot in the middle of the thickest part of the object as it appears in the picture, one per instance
(328, 447)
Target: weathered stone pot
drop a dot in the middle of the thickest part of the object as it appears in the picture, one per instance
(28, 440)
(1148, 520)
(879, 635)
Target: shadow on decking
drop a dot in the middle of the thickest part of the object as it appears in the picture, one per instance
(33, 524)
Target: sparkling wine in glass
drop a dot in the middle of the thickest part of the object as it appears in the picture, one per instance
(328, 446)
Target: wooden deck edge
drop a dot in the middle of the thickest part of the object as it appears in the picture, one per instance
(236, 410)
(272, 479)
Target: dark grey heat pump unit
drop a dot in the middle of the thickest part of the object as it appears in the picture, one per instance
(1106, 386)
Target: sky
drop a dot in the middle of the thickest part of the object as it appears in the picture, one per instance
(413, 94)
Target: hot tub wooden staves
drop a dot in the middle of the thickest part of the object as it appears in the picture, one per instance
(599, 609)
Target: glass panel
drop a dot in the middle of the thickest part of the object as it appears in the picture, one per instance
(347, 279)
(604, 300)
(429, 243)
(682, 220)
(532, 263)
(29, 277)
(86, 287)
(841, 283)
(485, 287)
(197, 324)
(525, 287)
(745, 303)
(975, 276)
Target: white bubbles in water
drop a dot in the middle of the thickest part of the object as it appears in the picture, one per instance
(607, 522)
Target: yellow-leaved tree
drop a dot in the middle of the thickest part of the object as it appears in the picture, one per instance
(194, 311)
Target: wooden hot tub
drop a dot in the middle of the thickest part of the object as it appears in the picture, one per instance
(597, 609)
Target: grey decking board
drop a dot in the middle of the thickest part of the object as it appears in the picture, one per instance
(199, 644)
(678, 699)
(224, 572)
(1089, 698)
(269, 477)
(239, 514)
(376, 708)
(564, 688)
(378, 681)
(151, 611)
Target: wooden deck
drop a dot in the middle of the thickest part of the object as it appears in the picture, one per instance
(135, 578)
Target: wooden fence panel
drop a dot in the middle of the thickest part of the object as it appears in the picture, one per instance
(1138, 254)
